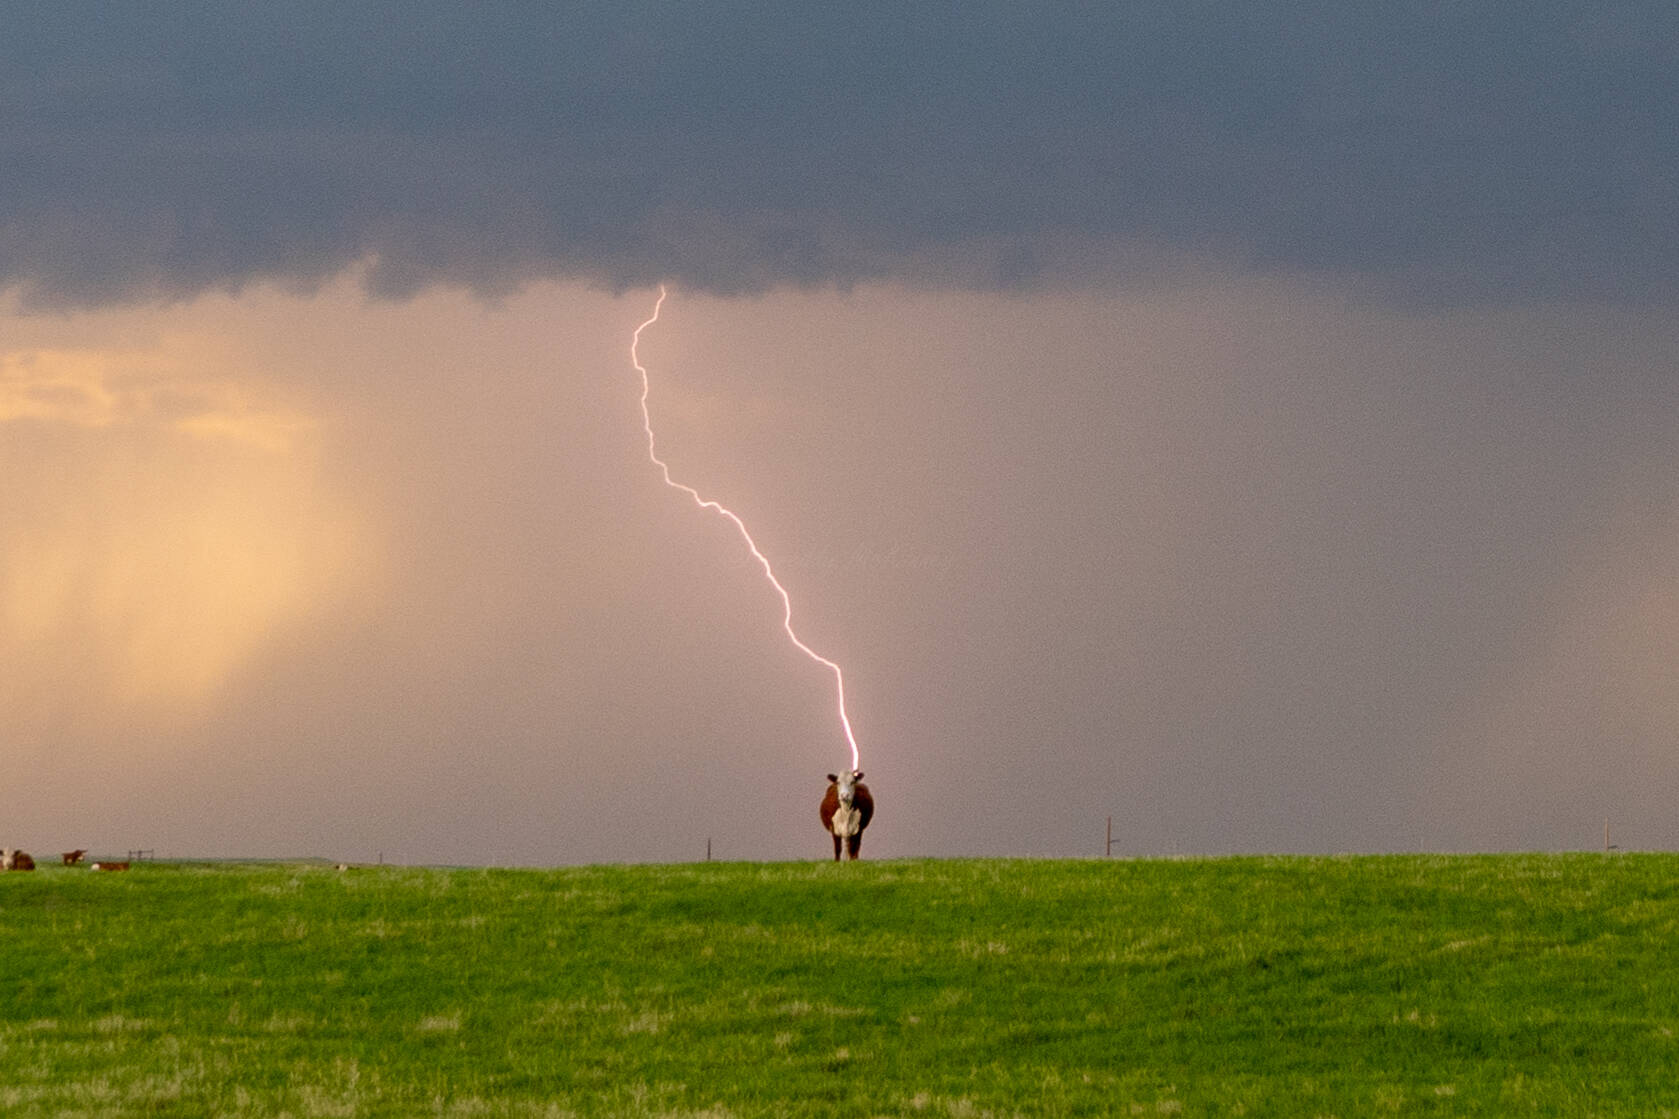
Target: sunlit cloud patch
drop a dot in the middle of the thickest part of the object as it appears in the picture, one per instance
(165, 518)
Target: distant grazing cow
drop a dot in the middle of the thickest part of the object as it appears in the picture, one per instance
(13, 859)
(846, 810)
(110, 866)
(71, 858)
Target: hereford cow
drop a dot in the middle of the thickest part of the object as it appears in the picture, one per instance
(110, 866)
(13, 859)
(71, 858)
(846, 810)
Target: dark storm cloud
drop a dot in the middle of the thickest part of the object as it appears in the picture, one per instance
(1438, 153)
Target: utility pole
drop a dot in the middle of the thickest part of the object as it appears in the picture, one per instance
(708, 848)
(1109, 851)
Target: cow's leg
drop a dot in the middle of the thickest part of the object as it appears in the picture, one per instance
(838, 842)
(854, 844)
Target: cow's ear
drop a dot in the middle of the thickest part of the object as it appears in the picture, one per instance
(833, 778)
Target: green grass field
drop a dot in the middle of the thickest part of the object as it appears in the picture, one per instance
(1484, 985)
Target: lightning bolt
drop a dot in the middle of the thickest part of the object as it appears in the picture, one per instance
(740, 526)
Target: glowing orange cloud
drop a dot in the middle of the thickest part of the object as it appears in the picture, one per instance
(160, 523)
(178, 385)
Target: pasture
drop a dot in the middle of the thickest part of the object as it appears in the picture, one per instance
(1477, 985)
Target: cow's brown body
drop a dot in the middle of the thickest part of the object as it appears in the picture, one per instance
(110, 866)
(16, 860)
(848, 834)
(71, 858)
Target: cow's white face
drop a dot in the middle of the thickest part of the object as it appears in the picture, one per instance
(847, 783)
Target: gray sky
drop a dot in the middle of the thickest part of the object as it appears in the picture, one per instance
(1256, 427)
(1434, 152)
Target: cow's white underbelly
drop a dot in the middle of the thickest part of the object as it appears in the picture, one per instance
(847, 821)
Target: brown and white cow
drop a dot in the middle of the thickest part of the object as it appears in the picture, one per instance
(13, 859)
(71, 858)
(847, 808)
(110, 866)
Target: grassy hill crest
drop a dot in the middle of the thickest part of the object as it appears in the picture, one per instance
(1450, 985)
